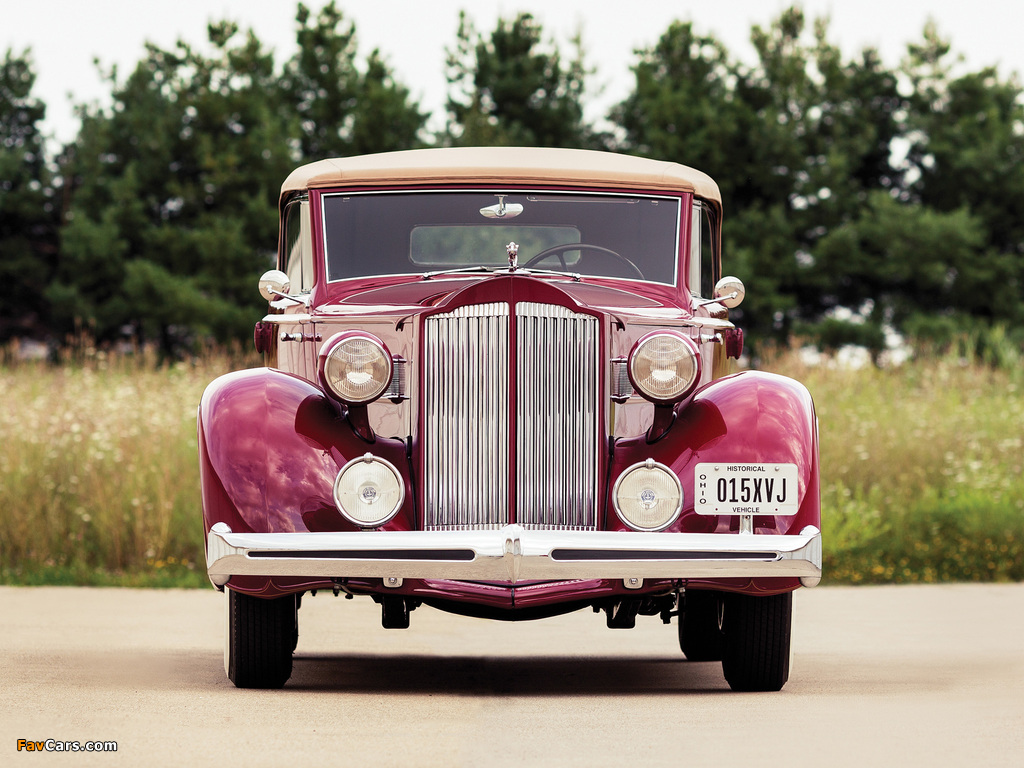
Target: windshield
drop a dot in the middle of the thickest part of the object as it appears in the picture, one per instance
(623, 236)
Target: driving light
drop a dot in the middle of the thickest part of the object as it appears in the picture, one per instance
(356, 367)
(648, 496)
(368, 491)
(664, 366)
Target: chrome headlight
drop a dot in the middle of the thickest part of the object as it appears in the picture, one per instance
(369, 491)
(355, 367)
(664, 366)
(648, 496)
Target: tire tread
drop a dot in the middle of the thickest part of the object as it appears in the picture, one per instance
(757, 641)
(262, 636)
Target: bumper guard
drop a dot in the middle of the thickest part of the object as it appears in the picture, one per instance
(513, 554)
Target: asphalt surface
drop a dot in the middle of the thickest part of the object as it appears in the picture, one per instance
(882, 676)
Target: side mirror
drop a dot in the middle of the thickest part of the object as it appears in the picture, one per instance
(729, 291)
(275, 284)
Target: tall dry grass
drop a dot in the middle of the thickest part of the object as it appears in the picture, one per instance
(98, 469)
(922, 469)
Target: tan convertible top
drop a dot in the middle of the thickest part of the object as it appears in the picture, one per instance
(503, 165)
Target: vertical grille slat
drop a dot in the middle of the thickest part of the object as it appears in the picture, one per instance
(468, 418)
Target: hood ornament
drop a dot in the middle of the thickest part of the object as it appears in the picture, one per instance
(513, 256)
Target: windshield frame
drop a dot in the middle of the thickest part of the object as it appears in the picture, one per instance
(676, 200)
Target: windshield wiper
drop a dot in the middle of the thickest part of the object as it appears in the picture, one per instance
(460, 271)
(574, 276)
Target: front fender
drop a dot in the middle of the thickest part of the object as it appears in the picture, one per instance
(270, 447)
(750, 417)
(747, 417)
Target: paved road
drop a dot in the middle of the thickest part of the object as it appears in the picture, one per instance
(890, 676)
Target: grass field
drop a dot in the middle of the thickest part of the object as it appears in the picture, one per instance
(923, 476)
(922, 470)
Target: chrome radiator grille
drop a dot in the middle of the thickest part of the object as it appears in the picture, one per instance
(556, 417)
(468, 425)
(466, 418)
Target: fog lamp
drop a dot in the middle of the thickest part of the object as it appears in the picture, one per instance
(648, 496)
(369, 491)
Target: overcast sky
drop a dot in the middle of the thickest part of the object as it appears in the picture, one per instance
(65, 36)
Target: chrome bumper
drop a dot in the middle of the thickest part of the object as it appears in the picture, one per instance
(513, 554)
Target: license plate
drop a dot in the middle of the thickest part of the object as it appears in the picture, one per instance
(745, 489)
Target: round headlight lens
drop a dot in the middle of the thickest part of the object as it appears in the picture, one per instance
(648, 496)
(664, 367)
(356, 368)
(368, 491)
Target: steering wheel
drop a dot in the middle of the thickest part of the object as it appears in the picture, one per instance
(559, 250)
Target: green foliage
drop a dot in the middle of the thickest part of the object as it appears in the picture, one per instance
(935, 539)
(173, 211)
(158, 574)
(846, 183)
(28, 216)
(682, 108)
(967, 153)
(796, 143)
(172, 197)
(906, 258)
(969, 339)
(832, 333)
(821, 212)
(343, 110)
(506, 89)
(922, 471)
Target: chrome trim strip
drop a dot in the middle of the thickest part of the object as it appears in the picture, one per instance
(513, 554)
(707, 322)
(672, 199)
(279, 319)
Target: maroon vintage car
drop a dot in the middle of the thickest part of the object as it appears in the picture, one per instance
(496, 385)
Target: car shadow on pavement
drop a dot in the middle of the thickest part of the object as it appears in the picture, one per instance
(610, 675)
(592, 675)
(479, 676)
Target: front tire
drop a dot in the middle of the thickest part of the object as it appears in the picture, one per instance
(757, 641)
(261, 635)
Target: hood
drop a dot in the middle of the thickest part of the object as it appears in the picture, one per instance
(436, 292)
